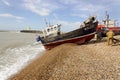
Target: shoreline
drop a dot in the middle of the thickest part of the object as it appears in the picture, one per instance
(75, 62)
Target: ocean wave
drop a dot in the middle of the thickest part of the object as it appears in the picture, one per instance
(14, 59)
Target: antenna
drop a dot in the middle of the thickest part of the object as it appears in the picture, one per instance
(107, 19)
(107, 16)
(46, 22)
(49, 23)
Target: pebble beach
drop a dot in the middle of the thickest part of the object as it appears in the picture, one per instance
(90, 61)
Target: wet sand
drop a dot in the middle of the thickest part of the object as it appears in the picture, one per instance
(91, 61)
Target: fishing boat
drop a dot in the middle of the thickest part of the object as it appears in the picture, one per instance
(108, 24)
(53, 36)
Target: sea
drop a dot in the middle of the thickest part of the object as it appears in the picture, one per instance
(17, 50)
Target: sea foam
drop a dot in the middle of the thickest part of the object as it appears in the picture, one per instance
(14, 59)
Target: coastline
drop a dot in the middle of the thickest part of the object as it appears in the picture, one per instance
(16, 51)
(92, 61)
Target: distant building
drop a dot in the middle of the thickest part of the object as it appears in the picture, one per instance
(28, 28)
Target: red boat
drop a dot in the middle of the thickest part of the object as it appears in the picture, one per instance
(77, 36)
(109, 24)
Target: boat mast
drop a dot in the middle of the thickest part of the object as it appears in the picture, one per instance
(46, 22)
(49, 23)
(107, 19)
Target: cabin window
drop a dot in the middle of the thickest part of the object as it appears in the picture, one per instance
(48, 30)
(51, 29)
(55, 28)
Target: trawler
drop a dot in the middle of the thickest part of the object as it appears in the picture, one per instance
(53, 37)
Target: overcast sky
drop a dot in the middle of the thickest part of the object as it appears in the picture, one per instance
(19, 14)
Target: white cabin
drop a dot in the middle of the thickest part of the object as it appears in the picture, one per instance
(52, 30)
(109, 23)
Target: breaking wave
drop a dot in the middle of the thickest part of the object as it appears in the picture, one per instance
(14, 59)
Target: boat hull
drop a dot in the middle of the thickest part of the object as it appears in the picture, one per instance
(76, 40)
(78, 36)
(116, 30)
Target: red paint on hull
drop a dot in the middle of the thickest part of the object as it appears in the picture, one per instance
(77, 40)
